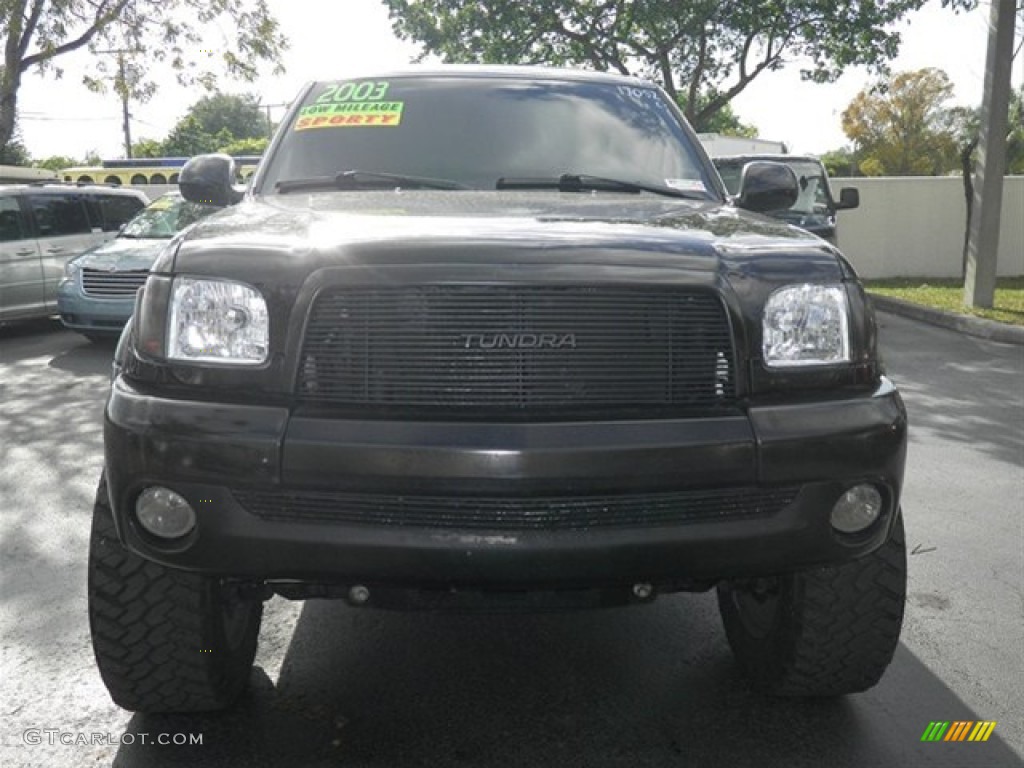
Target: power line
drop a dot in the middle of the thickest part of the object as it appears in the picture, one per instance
(51, 118)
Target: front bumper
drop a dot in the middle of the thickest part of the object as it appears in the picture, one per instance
(217, 453)
(88, 314)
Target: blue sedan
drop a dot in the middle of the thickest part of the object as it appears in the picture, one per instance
(97, 294)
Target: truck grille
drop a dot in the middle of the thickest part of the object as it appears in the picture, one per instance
(515, 514)
(112, 285)
(525, 348)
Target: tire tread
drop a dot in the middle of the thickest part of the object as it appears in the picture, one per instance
(839, 628)
(150, 625)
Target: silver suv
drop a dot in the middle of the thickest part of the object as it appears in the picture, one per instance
(42, 226)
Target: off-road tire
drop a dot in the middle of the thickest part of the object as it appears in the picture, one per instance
(165, 640)
(821, 632)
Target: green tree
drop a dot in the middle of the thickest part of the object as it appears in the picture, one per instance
(148, 148)
(725, 122)
(214, 122)
(245, 146)
(704, 52)
(1015, 137)
(967, 127)
(840, 162)
(901, 126)
(36, 33)
(188, 138)
(15, 152)
(57, 162)
(239, 114)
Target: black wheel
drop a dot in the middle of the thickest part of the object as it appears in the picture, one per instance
(821, 632)
(165, 640)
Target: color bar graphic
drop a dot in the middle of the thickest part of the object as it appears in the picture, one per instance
(982, 731)
(958, 730)
(935, 731)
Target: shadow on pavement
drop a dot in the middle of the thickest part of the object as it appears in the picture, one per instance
(630, 687)
(26, 328)
(90, 358)
(52, 386)
(961, 394)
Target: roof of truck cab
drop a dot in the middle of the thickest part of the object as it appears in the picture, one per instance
(773, 157)
(498, 71)
(63, 187)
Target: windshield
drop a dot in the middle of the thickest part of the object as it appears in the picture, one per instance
(473, 131)
(165, 217)
(814, 196)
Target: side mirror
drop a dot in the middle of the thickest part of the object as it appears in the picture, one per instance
(208, 179)
(766, 186)
(848, 198)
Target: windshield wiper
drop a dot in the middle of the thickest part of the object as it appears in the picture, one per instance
(356, 179)
(580, 182)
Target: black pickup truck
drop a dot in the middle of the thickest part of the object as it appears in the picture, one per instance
(495, 338)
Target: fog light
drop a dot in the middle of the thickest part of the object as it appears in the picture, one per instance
(359, 595)
(164, 513)
(857, 509)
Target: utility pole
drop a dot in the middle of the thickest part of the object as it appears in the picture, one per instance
(125, 118)
(983, 238)
(121, 85)
(270, 121)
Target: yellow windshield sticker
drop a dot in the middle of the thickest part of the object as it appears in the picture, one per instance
(352, 104)
(347, 115)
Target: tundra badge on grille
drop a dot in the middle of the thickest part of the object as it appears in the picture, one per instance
(518, 340)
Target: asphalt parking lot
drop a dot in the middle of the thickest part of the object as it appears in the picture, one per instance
(640, 686)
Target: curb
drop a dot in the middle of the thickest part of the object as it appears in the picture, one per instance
(972, 326)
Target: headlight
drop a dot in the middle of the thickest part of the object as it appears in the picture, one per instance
(71, 269)
(806, 325)
(70, 275)
(217, 321)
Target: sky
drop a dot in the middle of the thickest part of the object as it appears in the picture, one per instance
(60, 117)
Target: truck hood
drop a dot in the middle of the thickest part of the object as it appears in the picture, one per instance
(306, 232)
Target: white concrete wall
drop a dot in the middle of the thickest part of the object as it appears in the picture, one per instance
(914, 226)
